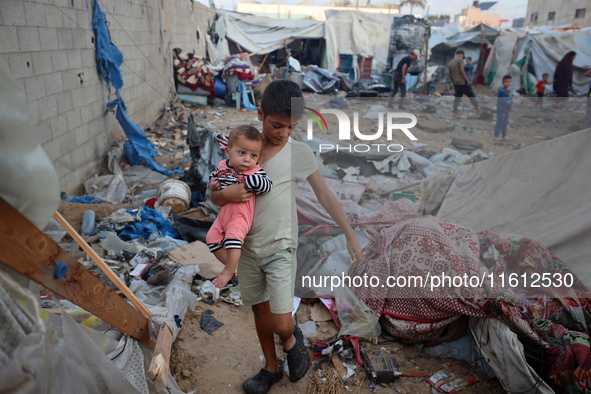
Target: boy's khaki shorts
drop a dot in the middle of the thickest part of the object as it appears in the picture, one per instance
(269, 279)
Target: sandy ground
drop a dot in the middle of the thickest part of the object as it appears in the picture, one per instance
(220, 362)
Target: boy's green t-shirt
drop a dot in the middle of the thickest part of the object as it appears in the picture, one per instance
(275, 225)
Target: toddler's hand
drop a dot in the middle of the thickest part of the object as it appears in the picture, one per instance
(215, 184)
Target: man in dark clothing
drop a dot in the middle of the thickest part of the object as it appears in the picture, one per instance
(399, 77)
(461, 83)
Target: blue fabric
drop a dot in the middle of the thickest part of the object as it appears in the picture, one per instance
(468, 69)
(502, 123)
(151, 222)
(504, 101)
(108, 57)
(131, 154)
(142, 146)
(247, 104)
(181, 162)
(83, 200)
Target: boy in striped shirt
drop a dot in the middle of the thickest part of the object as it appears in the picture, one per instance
(227, 233)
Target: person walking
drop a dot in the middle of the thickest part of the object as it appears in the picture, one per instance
(563, 77)
(462, 84)
(399, 78)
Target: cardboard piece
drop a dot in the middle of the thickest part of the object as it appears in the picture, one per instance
(197, 253)
(320, 313)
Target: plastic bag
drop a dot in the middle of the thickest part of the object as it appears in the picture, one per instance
(355, 317)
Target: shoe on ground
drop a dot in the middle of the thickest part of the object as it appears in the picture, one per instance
(298, 358)
(262, 382)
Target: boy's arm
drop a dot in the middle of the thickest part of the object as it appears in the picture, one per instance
(332, 206)
(232, 193)
(463, 72)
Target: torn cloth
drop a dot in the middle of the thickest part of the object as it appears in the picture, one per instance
(142, 146)
(108, 57)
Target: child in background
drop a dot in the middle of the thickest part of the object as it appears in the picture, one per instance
(469, 69)
(226, 235)
(541, 88)
(504, 106)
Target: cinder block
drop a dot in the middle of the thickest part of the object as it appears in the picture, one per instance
(53, 83)
(69, 18)
(81, 39)
(9, 41)
(59, 125)
(65, 39)
(64, 102)
(98, 109)
(59, 60)
(52, 149)
(28, 39)
(12, 13)
(74, 59)
(34, 111)
(84, 18)
(54, 16)
(88, 58)
(68, 142)
(94, 128)
(78, 97)
(79, 157)
(70, 81)
(71, 181)
(48, 38)
(35, 14)
(90, 93)
(35, 88)
(74, 120)
(44, 132)
(42, 62)
(81, 135)
(86, 113)
(47, 107)
(21, 65)
(63, 164)
(90, 149)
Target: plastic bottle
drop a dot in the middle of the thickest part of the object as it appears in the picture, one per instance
(88, 222)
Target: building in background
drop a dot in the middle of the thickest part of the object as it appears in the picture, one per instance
(558, 13)
(474, 16)
(303, 10)
(518, 22)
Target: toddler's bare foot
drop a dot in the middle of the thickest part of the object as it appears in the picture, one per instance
(222, 279)
(506, 139)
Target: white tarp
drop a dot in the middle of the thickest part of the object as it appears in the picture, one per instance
(542, 192)
(542, 50)
(265, 35)
(356, 33)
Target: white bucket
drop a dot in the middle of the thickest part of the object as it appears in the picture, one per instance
(174, 194)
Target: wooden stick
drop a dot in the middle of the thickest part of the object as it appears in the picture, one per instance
(102, 265)
(27, 250)
(160, 363)
(264, 60)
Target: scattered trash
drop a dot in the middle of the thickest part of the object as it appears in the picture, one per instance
(208, 323)
(453, 378)
(175, 194)
(308, 329)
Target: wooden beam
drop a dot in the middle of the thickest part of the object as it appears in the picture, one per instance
(160, 363)
(102, 265)
(27, 250)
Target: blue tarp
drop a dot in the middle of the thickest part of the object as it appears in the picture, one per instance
(108, 57)
(151, 222)
(142, 147)
(83, 200)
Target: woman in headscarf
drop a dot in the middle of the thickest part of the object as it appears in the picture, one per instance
(563, 75)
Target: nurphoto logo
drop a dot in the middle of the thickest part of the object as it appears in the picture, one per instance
(344, 121)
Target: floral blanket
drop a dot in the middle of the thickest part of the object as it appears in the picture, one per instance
(552, 319)
(193, 71)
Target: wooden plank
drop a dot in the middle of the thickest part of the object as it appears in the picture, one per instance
(160, 363)
(27, 250)
(102, 265)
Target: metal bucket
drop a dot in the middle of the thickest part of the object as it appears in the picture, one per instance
(175, 194)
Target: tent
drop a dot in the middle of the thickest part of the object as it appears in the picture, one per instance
(527, 54)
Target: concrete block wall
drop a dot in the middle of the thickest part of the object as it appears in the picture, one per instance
(49, 48)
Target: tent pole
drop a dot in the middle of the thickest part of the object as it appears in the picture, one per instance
(427, 34)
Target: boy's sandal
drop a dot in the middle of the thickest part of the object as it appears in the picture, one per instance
(262, 382)
(298, 358)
